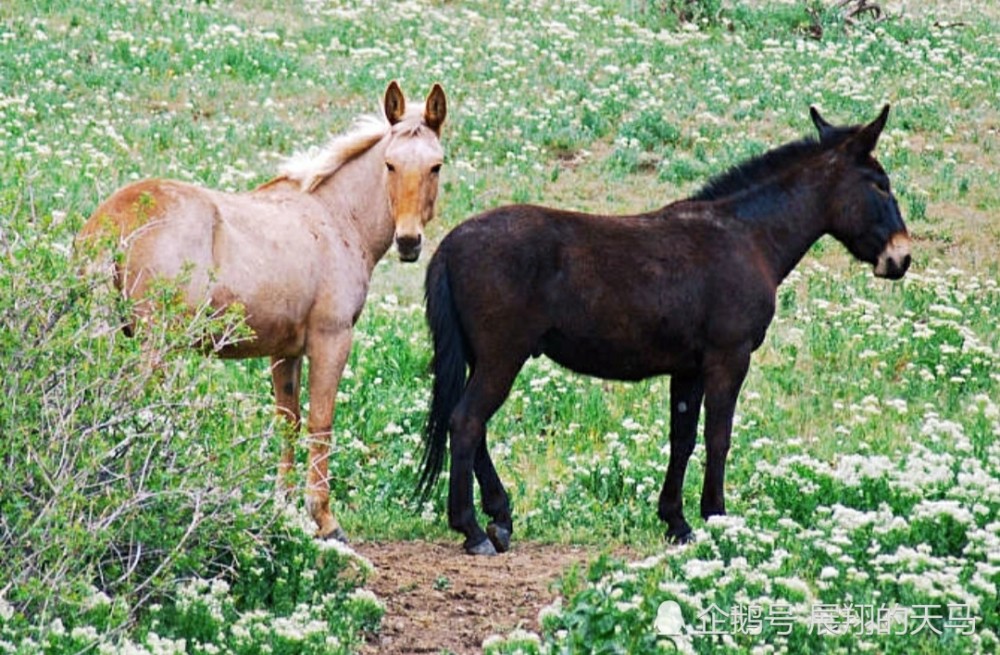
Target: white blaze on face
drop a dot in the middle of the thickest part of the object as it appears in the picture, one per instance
(894, 260)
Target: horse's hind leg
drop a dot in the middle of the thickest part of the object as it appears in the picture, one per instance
(483, 396)
(685, 404)
(286, 375)
(496, 504)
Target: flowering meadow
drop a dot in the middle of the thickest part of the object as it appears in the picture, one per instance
(137, 504)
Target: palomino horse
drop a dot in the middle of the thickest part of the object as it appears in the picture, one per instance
(297, 253)
(687, 291)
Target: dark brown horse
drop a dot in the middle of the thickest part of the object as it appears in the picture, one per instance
(687, 291)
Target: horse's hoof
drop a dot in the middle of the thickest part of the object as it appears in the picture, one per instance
(484, 547)
(499, 537)
(683, 535)
(336, 535)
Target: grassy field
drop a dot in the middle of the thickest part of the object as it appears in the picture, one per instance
(136, 505)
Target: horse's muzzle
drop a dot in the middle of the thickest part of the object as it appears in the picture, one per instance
(408, 247)
(895, 259)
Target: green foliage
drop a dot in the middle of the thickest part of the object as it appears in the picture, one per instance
(294, 596)
(645, 134)
(99, 446)
(121, 485)
(670, 12)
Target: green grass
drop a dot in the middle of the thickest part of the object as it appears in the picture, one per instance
(864, 467)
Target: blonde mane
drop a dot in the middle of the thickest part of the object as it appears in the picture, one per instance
(311, 167)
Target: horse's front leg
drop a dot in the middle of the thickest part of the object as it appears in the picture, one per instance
(327, 357)
(686, 394)
(286, 375)
(724, 374)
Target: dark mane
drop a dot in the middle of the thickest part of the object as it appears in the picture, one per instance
(762, 167)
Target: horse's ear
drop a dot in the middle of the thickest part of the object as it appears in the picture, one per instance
(864, 142)
(821, 125)
(395, 103)
(435, 109)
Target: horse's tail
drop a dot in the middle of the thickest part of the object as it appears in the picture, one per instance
(449, 364)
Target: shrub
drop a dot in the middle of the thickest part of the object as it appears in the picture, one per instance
(137, 487)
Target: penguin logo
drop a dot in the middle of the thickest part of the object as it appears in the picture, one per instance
(669, 620)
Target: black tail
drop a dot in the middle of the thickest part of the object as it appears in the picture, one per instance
(449, 363)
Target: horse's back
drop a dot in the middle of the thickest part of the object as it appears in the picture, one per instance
(573, 259)
(163, 227)
(135, 205)
(268, 250)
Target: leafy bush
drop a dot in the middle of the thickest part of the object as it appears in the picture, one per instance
(138, 487)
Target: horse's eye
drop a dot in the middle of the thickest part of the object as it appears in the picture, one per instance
(436, 169)
(389, 167)
(881, 187)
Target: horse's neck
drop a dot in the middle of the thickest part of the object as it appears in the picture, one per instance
(356, 196)
(785, 220)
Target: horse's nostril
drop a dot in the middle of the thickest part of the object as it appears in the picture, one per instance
(408, 247)
(897, 268)
(408, 242)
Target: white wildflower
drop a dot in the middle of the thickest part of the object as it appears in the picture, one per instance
(696, 568)
(364, 595)
(932, 509)
(347, 551)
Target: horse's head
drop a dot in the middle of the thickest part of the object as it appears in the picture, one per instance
(413, 160)
(864, 213)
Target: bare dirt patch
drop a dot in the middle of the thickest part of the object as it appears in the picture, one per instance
(438, 599)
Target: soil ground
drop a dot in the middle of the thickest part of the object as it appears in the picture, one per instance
(440, 600)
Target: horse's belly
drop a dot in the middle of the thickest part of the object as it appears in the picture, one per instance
(616, 361)
(274, 341)
(277, 324)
